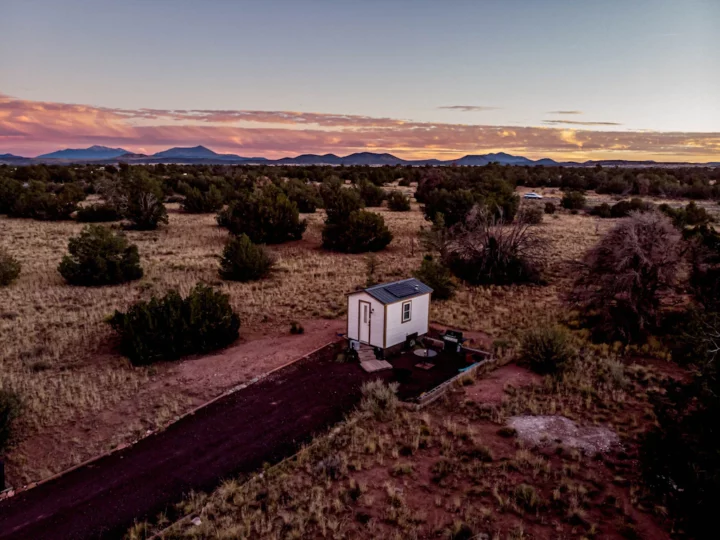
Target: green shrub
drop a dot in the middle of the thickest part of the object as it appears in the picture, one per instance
(145, 207)
(99, 257)
(500, 199)
(244, 261)
(704, 243)
(685, 333)
(380, 399)
(339, 202)
(531, 214)
(371, 194)
(202, 202)
(680, 454)
(9, 268)
(603, 210)
(453, 205)
(9, 411)
(138, 197)
(38, 201)
(697, 215)
(547, 349)
(454, 195)
(438, 277)
(97, 213)
(347, 227)
(10, 192)
(549, 208)
(171, 327)
(689, 216)
(305, 196)
(623, 208)
(398, 202)
(573, 200)
(363, 231)
(266, 216)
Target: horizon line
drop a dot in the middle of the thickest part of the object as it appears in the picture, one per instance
(559, 161)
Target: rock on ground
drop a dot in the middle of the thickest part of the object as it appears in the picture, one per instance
(545, 430)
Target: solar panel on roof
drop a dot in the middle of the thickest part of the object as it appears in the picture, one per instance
(401, 290)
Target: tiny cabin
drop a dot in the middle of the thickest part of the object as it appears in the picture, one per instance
(384, 315)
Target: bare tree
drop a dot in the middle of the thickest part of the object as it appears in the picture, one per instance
(625, 274)
(485, 249)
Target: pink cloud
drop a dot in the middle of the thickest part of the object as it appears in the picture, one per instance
(33, 127)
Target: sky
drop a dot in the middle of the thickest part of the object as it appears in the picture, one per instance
(567, 79)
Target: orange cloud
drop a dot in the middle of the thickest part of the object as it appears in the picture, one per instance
(580, 123)
(32, 127)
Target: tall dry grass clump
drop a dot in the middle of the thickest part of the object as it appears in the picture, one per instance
(380, 399)
(547, 349)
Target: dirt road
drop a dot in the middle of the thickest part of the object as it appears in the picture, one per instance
(176, 388)
(237, 434)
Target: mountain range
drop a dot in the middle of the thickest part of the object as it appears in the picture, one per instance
(93, 153)
(201, 154)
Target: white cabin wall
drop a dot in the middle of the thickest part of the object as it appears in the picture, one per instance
(377, 318)
(397, 331)
(352, 316)
(377, 323)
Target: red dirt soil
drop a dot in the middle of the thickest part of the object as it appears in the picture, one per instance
(193, 381)
(236, 434)
(491, 388)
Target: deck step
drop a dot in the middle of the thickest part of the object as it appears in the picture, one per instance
(372, 366)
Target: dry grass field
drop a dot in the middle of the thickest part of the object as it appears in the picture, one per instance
(81, 398)
(451, 471)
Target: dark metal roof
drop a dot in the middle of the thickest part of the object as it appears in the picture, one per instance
(389, 293)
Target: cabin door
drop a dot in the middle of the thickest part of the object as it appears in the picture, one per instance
(364, 319)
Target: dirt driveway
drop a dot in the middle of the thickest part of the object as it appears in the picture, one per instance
(175, 388)
(236, 434)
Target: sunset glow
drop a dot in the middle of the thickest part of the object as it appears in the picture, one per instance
(541, 79)
(32, 127)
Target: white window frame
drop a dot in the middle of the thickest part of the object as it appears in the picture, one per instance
(409, 312)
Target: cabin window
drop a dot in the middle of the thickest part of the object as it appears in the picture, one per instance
(406, 311)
